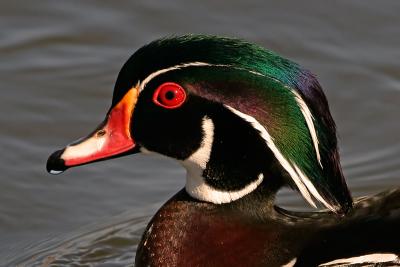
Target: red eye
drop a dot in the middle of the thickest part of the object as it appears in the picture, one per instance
(169, 95)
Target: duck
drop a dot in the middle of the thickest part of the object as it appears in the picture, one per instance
(244, 122)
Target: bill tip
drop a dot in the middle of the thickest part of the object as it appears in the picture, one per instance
(55, 172)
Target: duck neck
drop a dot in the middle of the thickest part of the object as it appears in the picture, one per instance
(200, 184)
(257, 198)
(224, 169)
(187, 232)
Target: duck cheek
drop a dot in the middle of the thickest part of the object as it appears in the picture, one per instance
(171, 134)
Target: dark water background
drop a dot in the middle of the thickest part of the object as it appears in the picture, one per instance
(58, 64)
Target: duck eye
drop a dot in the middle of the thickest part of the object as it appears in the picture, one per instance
(169, 95)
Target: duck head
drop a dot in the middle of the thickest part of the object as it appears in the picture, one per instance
(235, 115)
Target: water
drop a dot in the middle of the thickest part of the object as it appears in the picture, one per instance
(59, 60)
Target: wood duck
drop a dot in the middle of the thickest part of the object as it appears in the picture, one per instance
(244, 122)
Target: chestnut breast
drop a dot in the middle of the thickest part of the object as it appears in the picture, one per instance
(185, 232)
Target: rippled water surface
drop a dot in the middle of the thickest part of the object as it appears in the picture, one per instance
(59, 60)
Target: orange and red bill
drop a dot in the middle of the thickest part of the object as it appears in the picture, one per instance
(111, 139)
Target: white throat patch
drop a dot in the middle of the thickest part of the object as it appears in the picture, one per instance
(196, 186)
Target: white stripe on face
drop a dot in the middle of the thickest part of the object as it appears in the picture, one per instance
(196, 185)
(300, 102)
(301, 180)
(310, 124)
(282, 160)
(176, 67)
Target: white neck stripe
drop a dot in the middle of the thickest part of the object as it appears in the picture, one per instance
(202, 155)
(290, 263)
(370, 258)
(196, 185)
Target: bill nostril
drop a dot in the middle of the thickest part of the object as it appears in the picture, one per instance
(101, 133)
